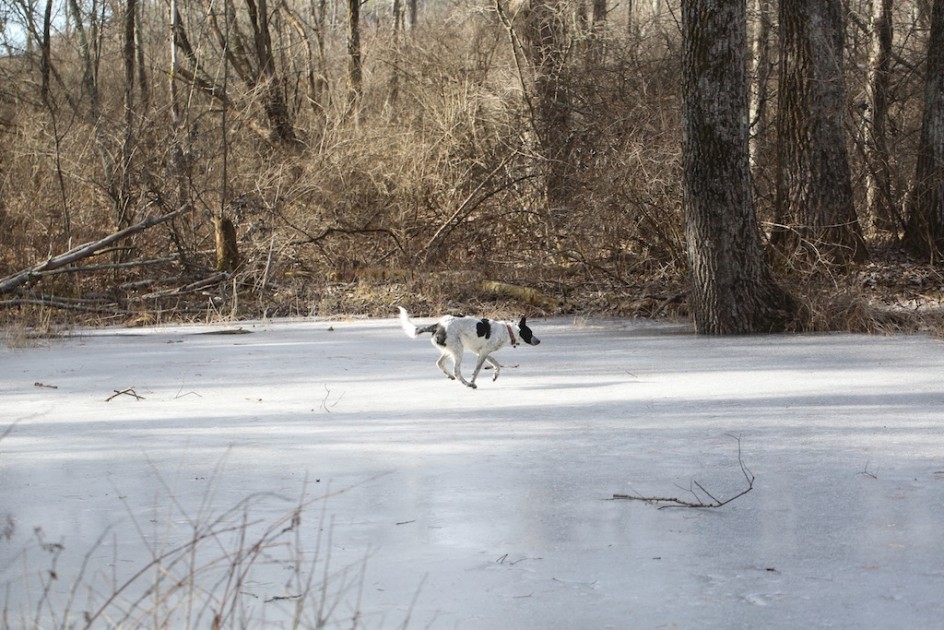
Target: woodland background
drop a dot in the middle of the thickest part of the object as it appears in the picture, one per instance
(168, 160)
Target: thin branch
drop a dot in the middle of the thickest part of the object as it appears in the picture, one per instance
(698, 502)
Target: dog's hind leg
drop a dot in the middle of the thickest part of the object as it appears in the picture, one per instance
(441, 364)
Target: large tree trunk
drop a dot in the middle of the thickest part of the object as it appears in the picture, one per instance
(733, 290)
(925, 233)
(815, 207)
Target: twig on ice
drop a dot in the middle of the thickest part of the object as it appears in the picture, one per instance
(867, 472)
(698, 502)
(325, 405)
(128, 391)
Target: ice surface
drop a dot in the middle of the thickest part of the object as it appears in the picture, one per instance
(430, 505)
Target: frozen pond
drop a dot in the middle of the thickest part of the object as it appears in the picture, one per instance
(329, 470)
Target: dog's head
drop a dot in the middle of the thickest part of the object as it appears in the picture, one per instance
(525, 334)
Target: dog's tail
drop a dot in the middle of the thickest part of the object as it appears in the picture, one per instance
(411, 329)
(408, 327)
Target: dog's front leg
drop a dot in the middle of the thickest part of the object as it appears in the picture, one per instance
(478, 366)
(495, 364)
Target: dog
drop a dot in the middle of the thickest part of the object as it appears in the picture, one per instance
(453, 335)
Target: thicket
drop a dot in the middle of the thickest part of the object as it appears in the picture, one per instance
(416, 166)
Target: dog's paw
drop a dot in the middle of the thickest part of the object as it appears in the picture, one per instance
(472, 385)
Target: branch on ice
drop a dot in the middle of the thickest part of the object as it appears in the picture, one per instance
(702, 497)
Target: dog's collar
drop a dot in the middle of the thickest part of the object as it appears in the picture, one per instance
(511, 335)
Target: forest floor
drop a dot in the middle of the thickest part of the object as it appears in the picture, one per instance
(891, 293)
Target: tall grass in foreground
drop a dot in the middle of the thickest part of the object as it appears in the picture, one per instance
(230, 569)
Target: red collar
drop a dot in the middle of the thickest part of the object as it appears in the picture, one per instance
(511, 335)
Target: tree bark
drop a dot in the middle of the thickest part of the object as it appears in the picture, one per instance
(815, 209)
(733, 290)
(925, 233)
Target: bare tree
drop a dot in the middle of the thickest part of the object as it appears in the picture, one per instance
(815, 208)
(266, 76)
(925, 232)
(46, 72)
(178, 157)
(543, 25)
(251, 58)
(733, 290)
(88, 45)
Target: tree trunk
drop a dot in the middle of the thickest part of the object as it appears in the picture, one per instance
(274, 103)
(123, 186)
(815, 208)
(733, 290)
(227, 250)
(925, 233)
(761, 67)
(545, 34)
(412, 10)
(143, 82)
(90, 89)
(354, 71)
(179, 161)
(881, 202)
(45, 72)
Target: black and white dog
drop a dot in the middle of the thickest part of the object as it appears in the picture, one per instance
(453, 335)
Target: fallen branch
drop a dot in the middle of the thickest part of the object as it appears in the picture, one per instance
(699, 502)
(203, 283)
(76, 254)
(131, 264)
(524, 294)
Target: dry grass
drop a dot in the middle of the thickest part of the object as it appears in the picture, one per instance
(213, 569)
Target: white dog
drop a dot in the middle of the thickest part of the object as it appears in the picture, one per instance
(453, 335)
